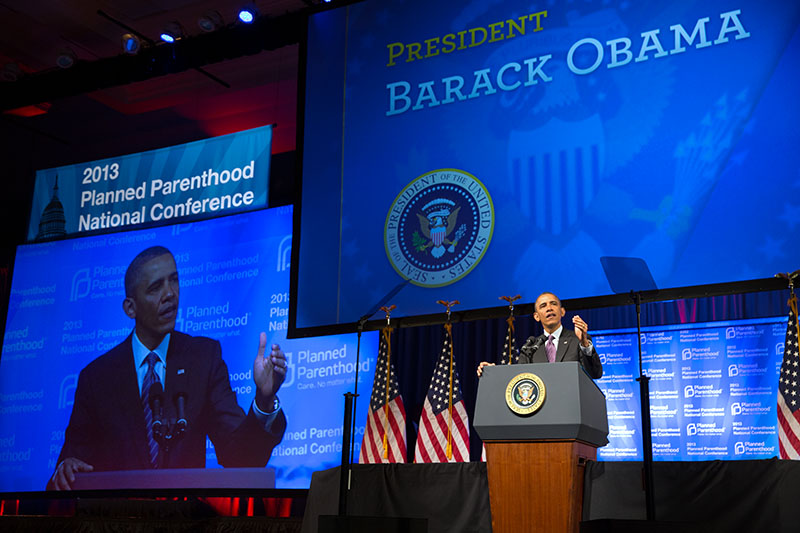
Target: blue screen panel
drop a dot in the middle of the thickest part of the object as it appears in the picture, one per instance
(484, 148)
(66, 310)
(713, 390)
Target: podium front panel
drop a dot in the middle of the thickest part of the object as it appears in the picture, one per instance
(574, 407)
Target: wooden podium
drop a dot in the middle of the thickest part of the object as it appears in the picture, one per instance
(535, 461)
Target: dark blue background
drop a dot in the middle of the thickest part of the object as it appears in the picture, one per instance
(696, 170)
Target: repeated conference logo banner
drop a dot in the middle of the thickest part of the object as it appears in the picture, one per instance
(192, 181)
(66, 310)
(713, 390)
(478, 144)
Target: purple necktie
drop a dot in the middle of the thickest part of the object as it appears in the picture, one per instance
(550, 348)
(150, 377)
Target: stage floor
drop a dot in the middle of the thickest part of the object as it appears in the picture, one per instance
(710, 496)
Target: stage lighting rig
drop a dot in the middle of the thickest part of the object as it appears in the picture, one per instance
(248, 13)
(131, 44)
(10, 72)
(210, 21)
(66, 58)
(172, 32)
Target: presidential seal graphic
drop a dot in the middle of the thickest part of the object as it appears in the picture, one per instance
(439, 227)
(525, 393)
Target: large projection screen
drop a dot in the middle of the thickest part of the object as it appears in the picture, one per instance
(478, 149)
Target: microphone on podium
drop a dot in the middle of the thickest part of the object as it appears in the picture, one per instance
(180, 399)
(181, 423)
(156, 400)
(531, 345)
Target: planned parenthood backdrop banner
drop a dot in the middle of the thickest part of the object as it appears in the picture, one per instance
(193, 181)
(713, 390)
(66, 309)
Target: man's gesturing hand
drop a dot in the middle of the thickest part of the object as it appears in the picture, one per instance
(268, 372)
(581, 330)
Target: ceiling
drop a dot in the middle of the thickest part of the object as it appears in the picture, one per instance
(220, 96)
(52, 117)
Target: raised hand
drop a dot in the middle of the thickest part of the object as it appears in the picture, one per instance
(581, 330)
(269, 372)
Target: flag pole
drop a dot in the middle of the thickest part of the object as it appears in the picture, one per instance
(787, 435)
(387, 336)
(448, 328)
(792, 303)
(510, 322)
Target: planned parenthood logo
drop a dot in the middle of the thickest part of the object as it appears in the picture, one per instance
(66, 392)
(179, 320)
(81, 285)
(181, 228)
(284, 253)
(439, 227)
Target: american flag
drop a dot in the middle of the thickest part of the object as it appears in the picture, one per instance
(385, 436)
(443, 425)
(789, 391)
(510, 355)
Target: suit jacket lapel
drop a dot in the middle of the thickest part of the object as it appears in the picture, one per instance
(126, 393)
(563, 343)
(540, 355)
(176, 361)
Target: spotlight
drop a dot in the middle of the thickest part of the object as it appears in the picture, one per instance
(66, 58)
(131, 44)
(10, 72)
(172, 32)
(211, 21)
(248, 13)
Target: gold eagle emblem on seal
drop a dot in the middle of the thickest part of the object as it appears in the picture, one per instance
(525, 393)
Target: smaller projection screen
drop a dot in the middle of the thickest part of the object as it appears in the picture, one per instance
(466, 150)
(66, 310)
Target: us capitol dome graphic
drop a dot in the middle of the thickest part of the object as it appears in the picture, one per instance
(53, 223)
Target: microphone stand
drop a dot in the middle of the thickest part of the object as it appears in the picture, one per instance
(172, 430)
(349, 426)
(361, 322)
(647, 434)
(349, 423)
(631, 275)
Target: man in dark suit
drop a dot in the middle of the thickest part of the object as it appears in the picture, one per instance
(111, 426)
(558, 343)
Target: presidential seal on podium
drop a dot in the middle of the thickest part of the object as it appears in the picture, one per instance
(525, 393)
